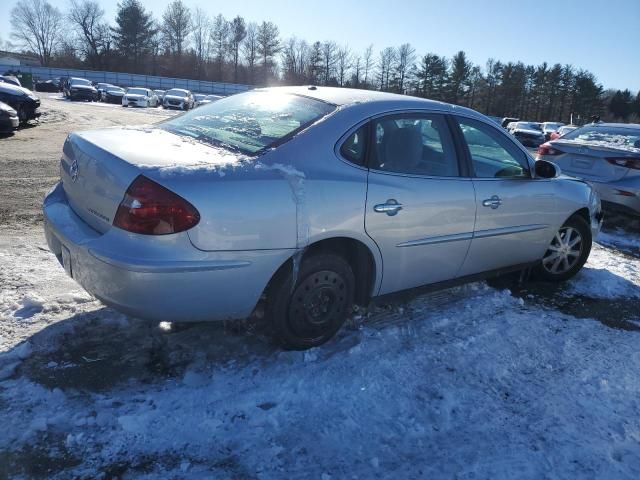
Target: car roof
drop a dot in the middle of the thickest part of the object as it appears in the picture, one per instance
(351, 97)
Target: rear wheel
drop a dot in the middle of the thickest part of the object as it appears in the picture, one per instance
(567, 252)
(312, 311)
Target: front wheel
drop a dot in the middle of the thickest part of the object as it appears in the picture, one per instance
(311, 311)
(567, 252)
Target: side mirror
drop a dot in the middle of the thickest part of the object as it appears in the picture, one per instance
(545, 169)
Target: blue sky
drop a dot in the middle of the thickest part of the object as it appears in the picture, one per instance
(603, 37)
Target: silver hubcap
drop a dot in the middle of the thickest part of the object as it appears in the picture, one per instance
(563, 252)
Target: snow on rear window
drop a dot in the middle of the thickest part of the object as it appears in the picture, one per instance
(616, 137)
(249, 122)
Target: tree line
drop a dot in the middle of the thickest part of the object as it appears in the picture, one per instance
(189, 43)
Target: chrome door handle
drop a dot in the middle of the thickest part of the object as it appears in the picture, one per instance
(493, 202)
(391, 208)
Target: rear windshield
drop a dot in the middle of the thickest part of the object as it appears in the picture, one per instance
(177, 92)
(529, 126)
(619, 137)
(249, 122)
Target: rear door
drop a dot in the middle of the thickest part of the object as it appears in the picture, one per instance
(515, 212)
(420, 208)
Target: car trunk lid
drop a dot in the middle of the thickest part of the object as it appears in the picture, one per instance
(98, 166)
(590, 161)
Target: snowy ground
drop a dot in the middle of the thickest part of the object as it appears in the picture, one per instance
(475, 382)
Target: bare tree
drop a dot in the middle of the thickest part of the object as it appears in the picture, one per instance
(315, 67)
(343, 61)
(86, 16)
(38, 26)
(357, 68)
(176, 26)
(220, 43)
(238, 32)
(250, 50)
(268, 46)
(406, 56)
(201, 39)
(329, 59)
(385, 65)
(367, 60)
(295, 58)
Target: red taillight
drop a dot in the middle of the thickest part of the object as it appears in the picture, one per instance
(628, 162)
(150, 209)
(547, 149)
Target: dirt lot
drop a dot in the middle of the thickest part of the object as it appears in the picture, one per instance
(29, 158)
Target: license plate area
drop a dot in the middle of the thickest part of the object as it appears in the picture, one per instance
(66, 261)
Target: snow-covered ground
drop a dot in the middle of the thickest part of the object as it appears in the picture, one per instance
(474, 382)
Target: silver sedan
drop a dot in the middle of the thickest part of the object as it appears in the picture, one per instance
(309, 200)
(607, 155)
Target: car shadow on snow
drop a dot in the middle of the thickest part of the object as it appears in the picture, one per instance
(100, 350)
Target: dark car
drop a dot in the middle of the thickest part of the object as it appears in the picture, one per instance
(507, 120)
(529, 134)
(10, 79)
(8, 118)
(23, 101)
(47, 86)
(102, 87)
(80, 89)
(113, 95)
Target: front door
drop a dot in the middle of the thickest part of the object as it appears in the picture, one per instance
(419, 210)
(514, 211)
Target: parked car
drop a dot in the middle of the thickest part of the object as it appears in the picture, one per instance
(160, 95)
(113, 95)
(498, 120)
(507, 120)
(11, 80)
(607, 155)
(549, 127)
(178, 98)
(139, 97)
(323, 197)
(102, 88)
(23, 101)
(47, 86)
(198, 98)
(80, 89)
(528, 133)
(562, 131)
(209, 99)
(9, 120)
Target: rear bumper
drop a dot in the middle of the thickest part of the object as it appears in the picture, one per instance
(160, 278)
(619, 194)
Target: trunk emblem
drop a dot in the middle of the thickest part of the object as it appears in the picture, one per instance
(73, 171)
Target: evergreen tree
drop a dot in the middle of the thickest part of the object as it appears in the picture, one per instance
(133, 32)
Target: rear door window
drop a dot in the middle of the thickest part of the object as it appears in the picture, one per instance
(414, 144)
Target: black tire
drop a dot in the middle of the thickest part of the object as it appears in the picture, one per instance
(312, 311)
(575, 257)
(22, 115)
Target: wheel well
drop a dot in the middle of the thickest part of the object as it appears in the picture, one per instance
(584, 213)
(356, 253)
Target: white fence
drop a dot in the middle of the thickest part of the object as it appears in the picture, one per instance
(130, 79)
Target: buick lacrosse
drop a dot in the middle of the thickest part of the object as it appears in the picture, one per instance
(307, 200)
